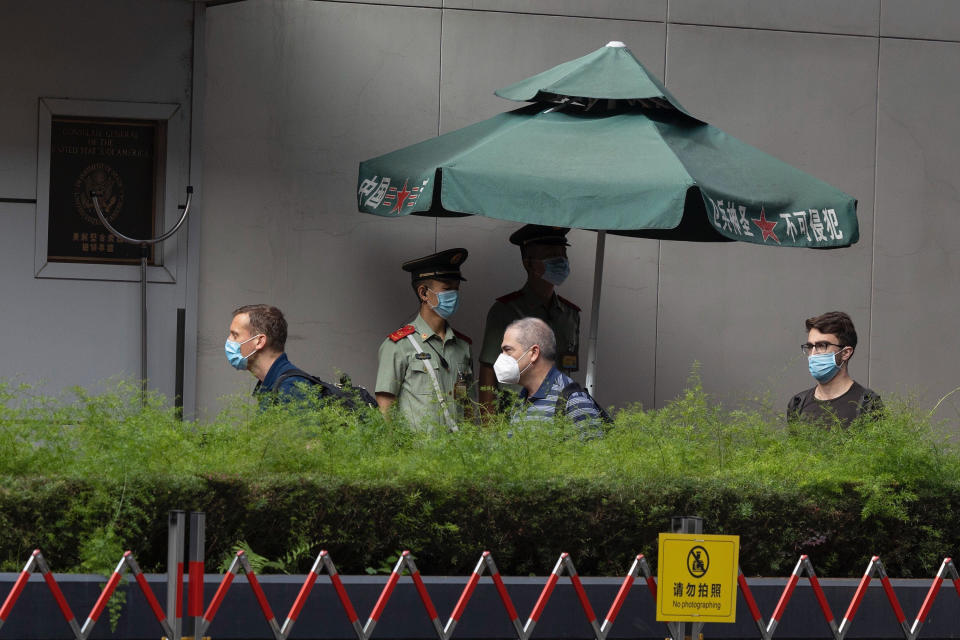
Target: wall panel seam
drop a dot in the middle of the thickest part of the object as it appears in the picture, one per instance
(771, 29)
(873, 230)
(919, 39)
(475, 10)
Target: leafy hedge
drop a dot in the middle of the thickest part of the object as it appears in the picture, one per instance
(85, 476)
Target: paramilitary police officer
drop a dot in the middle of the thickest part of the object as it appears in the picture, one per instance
(543, 251)
(427, 367)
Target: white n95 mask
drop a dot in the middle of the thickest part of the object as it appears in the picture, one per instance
(508, 370)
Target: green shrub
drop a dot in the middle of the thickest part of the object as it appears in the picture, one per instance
(83, 474)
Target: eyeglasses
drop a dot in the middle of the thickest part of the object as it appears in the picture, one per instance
(818, 347)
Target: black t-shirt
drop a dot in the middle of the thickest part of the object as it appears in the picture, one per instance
(845, 409)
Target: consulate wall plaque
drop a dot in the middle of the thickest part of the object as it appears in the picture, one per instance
(121, 159)
(133, 155)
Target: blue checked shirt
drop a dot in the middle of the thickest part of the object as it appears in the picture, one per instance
(542, 405)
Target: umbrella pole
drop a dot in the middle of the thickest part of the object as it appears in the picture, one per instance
(595, 314)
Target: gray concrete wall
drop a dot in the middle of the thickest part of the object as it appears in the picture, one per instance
(859, 93)
(61, 332)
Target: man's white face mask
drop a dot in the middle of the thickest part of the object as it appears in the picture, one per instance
(508, 370)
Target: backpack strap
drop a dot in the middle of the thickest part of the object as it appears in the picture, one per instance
(297, 373)
(351, 396)
(869, 402)
(798, 402)
(569, 390)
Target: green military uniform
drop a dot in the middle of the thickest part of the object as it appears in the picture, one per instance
(430, 375)
(562, 315)
(403, 372)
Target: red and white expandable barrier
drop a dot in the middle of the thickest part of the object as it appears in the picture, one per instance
(910, 632)
(36, 561)
(82, 633)
(803, 566)
(564, 565)
(524, 631)
(839, 632)
(946, 568)
(639, 566)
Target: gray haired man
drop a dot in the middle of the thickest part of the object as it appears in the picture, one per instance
(528, 355)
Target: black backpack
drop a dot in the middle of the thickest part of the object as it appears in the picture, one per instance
(569, 390)
(347, 394)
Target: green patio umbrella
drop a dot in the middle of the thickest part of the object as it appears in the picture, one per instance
(605, 147)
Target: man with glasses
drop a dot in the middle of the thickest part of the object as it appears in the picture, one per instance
(831, 341)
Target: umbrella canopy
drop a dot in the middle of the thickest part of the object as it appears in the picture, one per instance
(606, 147)
(609, 73)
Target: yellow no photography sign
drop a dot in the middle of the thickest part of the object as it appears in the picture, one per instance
(698, 578)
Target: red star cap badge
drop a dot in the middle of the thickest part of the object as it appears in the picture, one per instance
(766, 227)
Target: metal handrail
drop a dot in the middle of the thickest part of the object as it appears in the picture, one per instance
(143, 243)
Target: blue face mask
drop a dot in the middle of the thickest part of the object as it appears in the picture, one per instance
(556, 270)
(232, 349)
(823, 366)
(447, 302)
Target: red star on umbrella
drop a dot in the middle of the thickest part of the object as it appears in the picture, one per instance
(765, 226)
(402, 196)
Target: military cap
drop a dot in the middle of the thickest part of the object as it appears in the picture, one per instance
(444, 265)
(539, 234)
